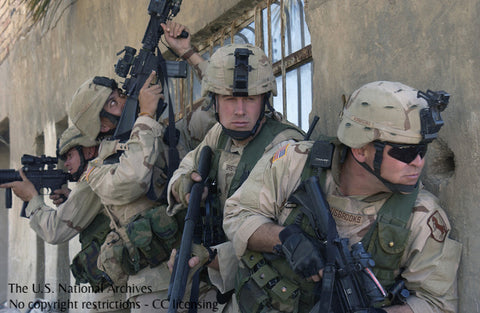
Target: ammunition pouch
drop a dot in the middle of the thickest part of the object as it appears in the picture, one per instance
(146, 241)
(388, 244)
(84, 264)
(259, 286)
(84, 268)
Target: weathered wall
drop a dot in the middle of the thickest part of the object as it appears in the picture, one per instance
(428, 44)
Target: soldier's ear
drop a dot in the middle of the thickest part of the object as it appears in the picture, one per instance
(360, 153)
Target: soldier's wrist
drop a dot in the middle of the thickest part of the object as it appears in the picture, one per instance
(188, 54)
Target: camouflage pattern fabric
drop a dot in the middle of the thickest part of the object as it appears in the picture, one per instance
(263, 199)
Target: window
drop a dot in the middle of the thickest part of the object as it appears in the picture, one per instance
(285, 38)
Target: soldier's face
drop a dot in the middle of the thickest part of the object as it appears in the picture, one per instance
(396, 171)
(239, 113)
(114, 105)
(72, 162)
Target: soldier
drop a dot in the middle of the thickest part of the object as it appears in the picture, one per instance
(375, 197)
(239, 82)
(130, 178)
(81, 213)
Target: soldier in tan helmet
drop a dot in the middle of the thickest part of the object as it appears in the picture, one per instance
(370, 176)
(130, 178)
(80, 213)
(239, 82)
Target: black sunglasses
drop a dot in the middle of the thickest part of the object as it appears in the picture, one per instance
(406, 153)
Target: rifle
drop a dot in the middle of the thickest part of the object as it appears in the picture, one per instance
(140, 67)
(40, 171)
(347, 273)
(181, 269)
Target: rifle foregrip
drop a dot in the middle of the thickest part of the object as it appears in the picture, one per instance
(178, 284)
(204, 162)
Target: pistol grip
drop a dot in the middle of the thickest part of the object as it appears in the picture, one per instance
(23, 213)
(8, 198)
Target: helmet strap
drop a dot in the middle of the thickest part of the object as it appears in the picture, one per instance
(83, 164)
(112, 118)
(377, 163)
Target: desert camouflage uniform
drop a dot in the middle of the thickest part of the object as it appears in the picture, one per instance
(123, 186)
(228, 162)
(430, 258)
(73, 216)
(59, 225)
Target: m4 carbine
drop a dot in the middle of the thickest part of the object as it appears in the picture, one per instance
(139, 67)
(40, 171)
(347, 273)
(181, 268)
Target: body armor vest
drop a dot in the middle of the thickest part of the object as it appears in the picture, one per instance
(385, 241)
(253, 151)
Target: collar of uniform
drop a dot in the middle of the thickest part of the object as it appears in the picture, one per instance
(232, 147)
(335, 175)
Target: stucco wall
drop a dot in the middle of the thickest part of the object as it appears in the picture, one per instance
(426, 44)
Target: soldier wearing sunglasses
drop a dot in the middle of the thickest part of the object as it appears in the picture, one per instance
(370, 174)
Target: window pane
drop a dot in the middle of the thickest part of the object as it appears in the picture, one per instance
(278, 100)
(292, 96)
(306, 93)
(246, 35)
(297, 35)
(276, 34)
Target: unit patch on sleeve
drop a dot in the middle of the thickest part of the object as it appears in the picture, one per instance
(280, 153)
(438, 227)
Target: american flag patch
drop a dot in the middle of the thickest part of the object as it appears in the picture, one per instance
(280, 153)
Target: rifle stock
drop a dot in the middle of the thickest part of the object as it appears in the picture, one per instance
(181, 269)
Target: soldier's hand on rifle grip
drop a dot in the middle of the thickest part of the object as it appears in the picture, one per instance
(149, 96)
(60, 195)
(181, 187)
(25, 190)
(301, 252)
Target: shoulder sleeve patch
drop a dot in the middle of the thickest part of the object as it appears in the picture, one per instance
(280, 153)
(438, 227)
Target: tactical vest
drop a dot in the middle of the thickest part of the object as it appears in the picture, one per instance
(84, 264)
(147, 240)
(264, 274)
(252, 152)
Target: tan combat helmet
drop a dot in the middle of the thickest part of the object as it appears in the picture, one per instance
(220, 79)
(87, 102)
(72, 137)
(383, 111)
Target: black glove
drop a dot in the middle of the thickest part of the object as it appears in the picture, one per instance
(301, 251)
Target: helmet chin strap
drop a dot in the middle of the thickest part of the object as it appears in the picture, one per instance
(242, 135)
(83, 164)
(377, 162)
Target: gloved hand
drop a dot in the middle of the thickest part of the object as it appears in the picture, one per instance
(302, 253)
(181, 187)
